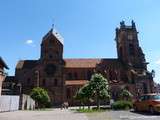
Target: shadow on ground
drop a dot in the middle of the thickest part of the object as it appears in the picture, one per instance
(145, 113)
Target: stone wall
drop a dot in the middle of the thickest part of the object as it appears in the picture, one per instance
(26, 103)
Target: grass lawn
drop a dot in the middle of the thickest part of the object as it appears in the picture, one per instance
(91, 110)
(42, 109)
(95, 114)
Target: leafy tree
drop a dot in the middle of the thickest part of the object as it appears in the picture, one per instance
(100, 88)
(126, 95)
(84, 94)
(97, 88)
(41, 97)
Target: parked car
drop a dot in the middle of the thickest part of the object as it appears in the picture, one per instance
(148, 102)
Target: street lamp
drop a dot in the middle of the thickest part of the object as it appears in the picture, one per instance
(20, 88)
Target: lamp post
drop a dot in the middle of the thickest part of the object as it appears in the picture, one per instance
(20, 88)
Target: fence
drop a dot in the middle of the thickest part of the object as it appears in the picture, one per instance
(9, 103)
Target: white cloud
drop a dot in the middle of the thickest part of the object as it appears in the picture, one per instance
(29, 42)
(158, 62)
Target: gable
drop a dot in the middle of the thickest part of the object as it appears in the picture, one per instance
(26, 64)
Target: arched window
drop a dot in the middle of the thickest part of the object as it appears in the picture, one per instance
(121, 52)
(75, 76)
(131, 49)
(110, 75)
(28, 81)
(57, 54)
(145, 88)
(68, 93)
(50, 56)
(44, 82)
(132, 78)
(115, 75)
(89, 74)
(70, 76)
(55, 82)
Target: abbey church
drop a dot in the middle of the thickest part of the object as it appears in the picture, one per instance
(63, 77)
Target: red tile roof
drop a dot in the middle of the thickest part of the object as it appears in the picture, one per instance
(75, 63)
(81, 63)
(75, 82)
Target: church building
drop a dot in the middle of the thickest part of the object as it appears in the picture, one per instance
(63, 77)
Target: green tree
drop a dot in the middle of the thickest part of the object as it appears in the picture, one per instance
(84, 95)
(97, 88)
(100, 88)
(41, 97)
(126, 95)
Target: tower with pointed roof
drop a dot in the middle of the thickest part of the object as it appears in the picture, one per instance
(52, 46)
(52, 63)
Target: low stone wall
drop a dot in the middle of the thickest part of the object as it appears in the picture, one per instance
(27, 103)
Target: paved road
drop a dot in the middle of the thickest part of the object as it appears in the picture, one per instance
(55, 114)
(121, 115)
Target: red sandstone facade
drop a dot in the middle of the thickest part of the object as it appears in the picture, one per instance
(63, 77)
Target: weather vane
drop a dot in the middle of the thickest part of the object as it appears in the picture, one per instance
(53, 25)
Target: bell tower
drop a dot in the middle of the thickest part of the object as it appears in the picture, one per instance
(128, 49)
(52, 46)
(52, 66)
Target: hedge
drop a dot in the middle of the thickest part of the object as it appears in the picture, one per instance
(122, 105)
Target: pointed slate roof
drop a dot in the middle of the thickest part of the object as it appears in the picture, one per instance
(55, 34)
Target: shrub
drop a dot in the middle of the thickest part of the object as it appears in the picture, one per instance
(41, 97)
(85, 110)
(126, 95)
(122, 105)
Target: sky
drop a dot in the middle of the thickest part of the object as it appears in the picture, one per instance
(87, 26)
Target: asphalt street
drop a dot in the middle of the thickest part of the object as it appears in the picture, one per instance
(58, 114)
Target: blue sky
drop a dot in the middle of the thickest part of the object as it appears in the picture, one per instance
(87, 26)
